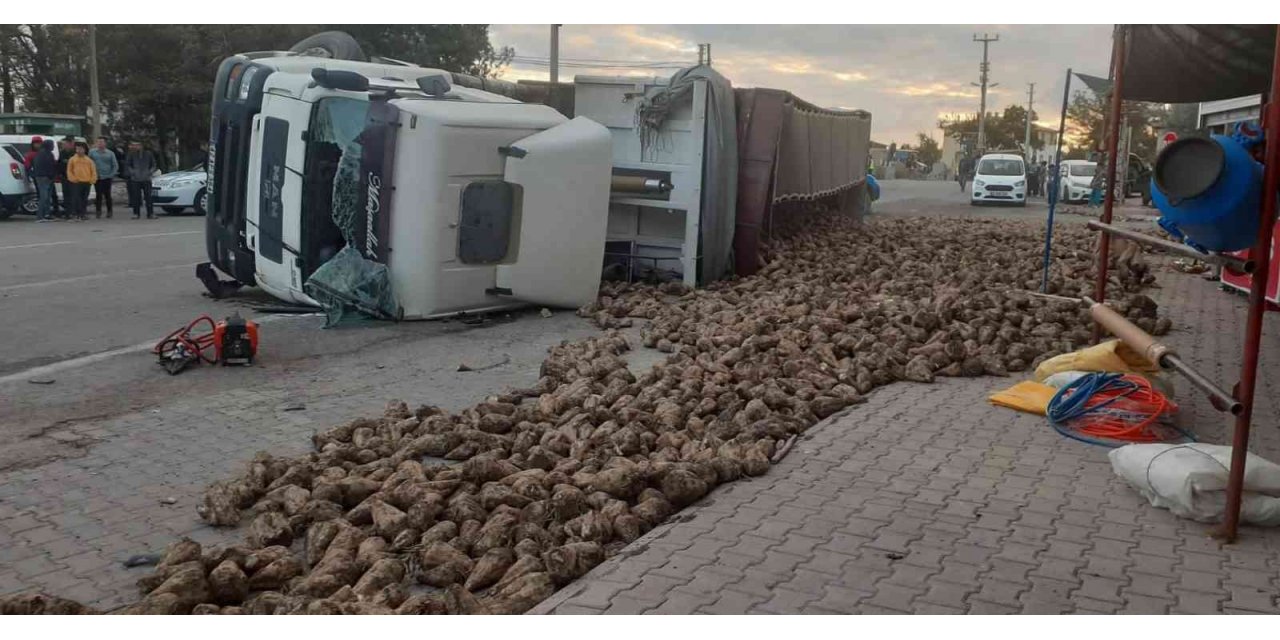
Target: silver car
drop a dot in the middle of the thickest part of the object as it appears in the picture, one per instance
(179, 190)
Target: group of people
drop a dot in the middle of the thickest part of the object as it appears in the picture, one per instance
(77, 168)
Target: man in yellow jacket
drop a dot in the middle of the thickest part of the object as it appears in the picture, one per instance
(81, 174)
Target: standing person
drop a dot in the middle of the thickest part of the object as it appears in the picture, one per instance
(44, 168)
(37, 143)
(1033, 180)
(139, 166)
(82, 173)
(108, 168)
(66, 149)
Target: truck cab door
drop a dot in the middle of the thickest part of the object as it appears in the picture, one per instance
(562, 177)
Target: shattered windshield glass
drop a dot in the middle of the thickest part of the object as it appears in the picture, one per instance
(345, 279)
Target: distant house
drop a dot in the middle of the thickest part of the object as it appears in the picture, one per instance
(1048, 137)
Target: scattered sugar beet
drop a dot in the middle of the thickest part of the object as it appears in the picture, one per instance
(548, 482)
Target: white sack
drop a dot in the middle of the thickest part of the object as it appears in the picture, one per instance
(1191, 480)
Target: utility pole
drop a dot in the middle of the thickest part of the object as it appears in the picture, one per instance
(1031, 101)
(93, 82)
(555, 53)
(704, 54)
(986, 40)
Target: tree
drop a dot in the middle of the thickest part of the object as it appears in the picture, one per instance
(464, 48)
(927, 149)
(1005, 130)
(1086, 115)
(156, 80)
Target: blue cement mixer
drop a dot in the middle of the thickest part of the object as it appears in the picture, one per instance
(1208, 190)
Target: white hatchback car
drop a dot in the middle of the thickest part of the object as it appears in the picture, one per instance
(1077, 180)
(178, 190)
(17, 194)
(1000, 177)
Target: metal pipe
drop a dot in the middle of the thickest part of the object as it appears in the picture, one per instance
(638, 184)
(1113, 141)
(1222, 400)
(1241, 265)
(555, 53)
(1159, 353)
(1257, 301)
(1057, 185)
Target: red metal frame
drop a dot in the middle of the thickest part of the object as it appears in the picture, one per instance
(1244, 390)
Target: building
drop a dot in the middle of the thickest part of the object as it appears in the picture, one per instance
(42, 124)
(1220, 116)
(1048, 138)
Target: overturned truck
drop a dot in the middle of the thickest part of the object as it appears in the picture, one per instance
(401, 192)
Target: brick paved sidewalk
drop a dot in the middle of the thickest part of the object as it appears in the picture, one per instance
(926, 499)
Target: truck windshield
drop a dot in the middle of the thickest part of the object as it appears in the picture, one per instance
(1000, 167)
(333, 161)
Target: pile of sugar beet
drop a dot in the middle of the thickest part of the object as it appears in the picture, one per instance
(491, 509)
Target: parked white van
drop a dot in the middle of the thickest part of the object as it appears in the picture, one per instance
(1000, 177)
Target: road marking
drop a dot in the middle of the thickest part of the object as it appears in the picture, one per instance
(38, 244)
(104, 239)
(55, 367)
(96, 276)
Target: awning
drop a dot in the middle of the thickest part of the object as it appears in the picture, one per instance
(1198, 63)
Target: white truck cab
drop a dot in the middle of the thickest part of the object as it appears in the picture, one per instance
(385, 187)
(1000, 177)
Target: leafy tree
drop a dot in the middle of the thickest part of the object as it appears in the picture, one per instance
(927, 149)
(1004, 130)
(464, 48)
(1086, 114)
(155, 81)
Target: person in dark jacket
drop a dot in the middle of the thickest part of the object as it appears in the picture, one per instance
(66, 150)
(139, 166)
(44, 168)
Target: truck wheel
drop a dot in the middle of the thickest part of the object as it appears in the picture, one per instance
(338, 45)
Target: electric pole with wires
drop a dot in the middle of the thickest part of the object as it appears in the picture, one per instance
(986, 40)
(1031, 101)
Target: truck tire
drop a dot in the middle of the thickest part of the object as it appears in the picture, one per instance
(338, 45)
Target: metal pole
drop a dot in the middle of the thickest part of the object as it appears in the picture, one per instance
(93, 83)
(1257, 302)
(982, 103)
(1241, 265)
(1113, 141)
(1031, 100)
(555, 53)
(1057, 184)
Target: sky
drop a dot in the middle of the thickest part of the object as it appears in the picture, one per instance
(905, 75)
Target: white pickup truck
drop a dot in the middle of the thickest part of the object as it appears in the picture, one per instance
(388, 187)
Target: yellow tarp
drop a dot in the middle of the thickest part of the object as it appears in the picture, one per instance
(1032, 397)
(1111, 356)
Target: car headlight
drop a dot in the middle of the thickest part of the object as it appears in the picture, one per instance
(979, 183)
(179, 184)
(1020, 183)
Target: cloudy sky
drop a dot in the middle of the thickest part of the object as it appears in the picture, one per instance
(906, 76)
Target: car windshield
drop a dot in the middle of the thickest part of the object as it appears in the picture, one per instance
(1083, 169)
(1000, 167)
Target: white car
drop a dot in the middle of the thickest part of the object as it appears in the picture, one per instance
(179, 190)
(1000, 177)
(1077, 180)
(17, 193)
